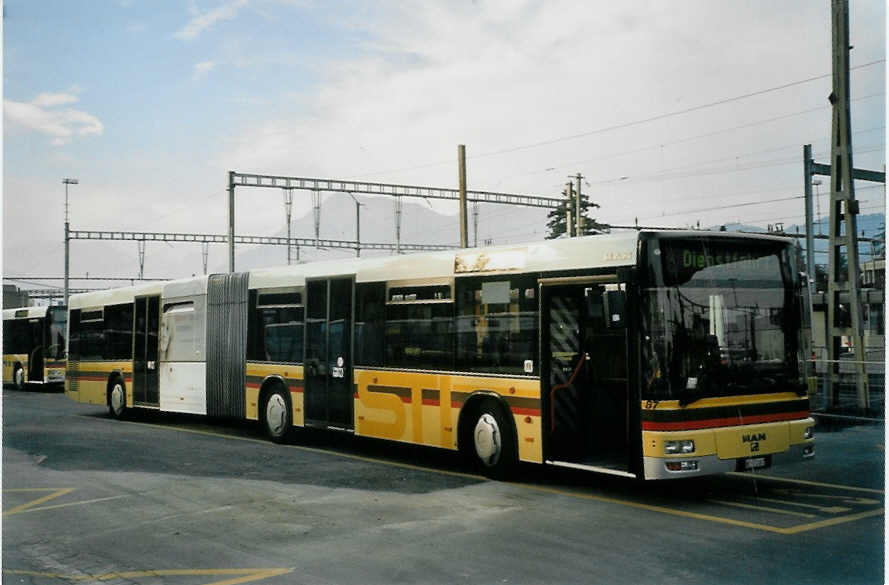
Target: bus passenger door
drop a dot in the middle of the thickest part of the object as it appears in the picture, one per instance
(38, 343)
(584, 378)
(145, 367)
(329, 393)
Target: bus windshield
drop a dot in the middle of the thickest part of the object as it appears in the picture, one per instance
(720, 318)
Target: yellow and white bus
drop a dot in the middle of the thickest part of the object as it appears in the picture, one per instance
(34, 345)
(649, 355)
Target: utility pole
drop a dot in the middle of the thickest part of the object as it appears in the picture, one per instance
(357, 226)
(140, 244)
(574, 211)
(205, 254)
(461, 172)
(66, 182)
(843, 214)
(231, 221)
(316, 210)
(475, 224)
(810, 230)
(288, 208)
(578, 215)
(398, 225)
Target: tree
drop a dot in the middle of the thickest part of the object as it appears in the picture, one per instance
(556, 222)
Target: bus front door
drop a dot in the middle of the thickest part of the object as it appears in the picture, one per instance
(146, 322)
(329, 394)
(584, 380)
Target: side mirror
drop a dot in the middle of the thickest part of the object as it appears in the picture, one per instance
(615, 308)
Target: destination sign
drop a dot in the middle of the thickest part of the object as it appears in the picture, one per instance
(682, 259)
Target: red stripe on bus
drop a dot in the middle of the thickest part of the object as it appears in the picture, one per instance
(431, 402)
(527, 411)
(296, 389)
(690, 425)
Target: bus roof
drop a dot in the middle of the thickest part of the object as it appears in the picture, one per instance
(113, 296)
(588, 252)
(612, 250)
(25, 312)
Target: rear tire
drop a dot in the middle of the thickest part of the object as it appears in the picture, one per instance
(18, 377)
(492, 441)
(277, 415)
(117, 398)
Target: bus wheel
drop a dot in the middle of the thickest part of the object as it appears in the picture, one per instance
(493, 440)
(276, 415)
(117, 398)
(18, 377)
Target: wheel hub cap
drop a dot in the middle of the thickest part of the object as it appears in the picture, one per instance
(487, 439)
(117, 398)
(275, 413)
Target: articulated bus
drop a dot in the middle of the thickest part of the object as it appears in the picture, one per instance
(34, 345)
(650, 355)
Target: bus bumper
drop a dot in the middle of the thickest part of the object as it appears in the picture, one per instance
(726, 449)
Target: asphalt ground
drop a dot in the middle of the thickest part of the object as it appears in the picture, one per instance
(177, 500)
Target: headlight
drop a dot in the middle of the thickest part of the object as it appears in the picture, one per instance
(683, 447)
(810, 432)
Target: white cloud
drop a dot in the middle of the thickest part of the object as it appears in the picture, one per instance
(203, 21)
(203, 68)
(49, 100)
(43, 115)
(495, 75)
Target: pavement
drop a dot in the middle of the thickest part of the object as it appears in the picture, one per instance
(174, 499)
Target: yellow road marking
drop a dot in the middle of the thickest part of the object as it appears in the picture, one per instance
(34, 505)
(240, 575)
(832, 521)
(827, 509)
(93, 501)
(803, 482)
(557, 491)
(56, 492)
(846, 499)
(762, 508)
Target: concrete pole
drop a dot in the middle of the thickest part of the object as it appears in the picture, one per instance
(231, 221)
(288, 209)
(67, 252)
(578, 210)
(810, 229)
(461, 170)
(67, 181)
(357, 229)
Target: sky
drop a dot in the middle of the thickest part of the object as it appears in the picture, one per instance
(674, 112)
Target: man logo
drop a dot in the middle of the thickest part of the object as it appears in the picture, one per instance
(753, 439)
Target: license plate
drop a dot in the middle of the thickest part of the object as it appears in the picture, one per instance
(755, 463)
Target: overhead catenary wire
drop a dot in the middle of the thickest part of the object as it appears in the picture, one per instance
(620, 126)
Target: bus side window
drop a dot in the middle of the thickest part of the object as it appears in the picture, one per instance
(370, 323)
(497, 324)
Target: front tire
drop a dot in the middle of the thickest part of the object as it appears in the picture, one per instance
(18, 377)
(492, 440)
(277, 416)
(117, 398)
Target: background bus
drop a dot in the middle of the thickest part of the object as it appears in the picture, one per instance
(34, 345)
(647, 355)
